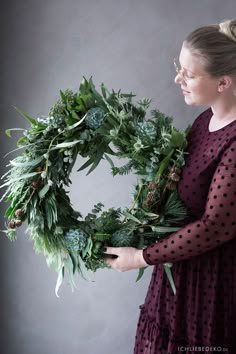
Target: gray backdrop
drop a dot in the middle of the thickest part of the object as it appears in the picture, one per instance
(47, 46)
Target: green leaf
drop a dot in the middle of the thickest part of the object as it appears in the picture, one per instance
(81, 267)
(65, 145)
(31, 163)
(8, 131)
(97, 159)
(95, 164)
(59, 280)
(10, 233)
(167, 267)
(25, 176)
(74, 115)
(85, 165)
(165, 229)
(8, 212)
(26, 116)
(104, 91)
(77, 123)
(131, 217)
(140, 273)
(21, 141)
(151, 215)
(70, 267)
(164, 163)
(109, 160)
(102, 237)
(21, 147)
(177, 138)
(44, 191)
(88, 248)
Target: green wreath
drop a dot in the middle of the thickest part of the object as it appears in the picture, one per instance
(95, 126)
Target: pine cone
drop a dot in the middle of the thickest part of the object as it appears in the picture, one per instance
(19, 213)
(18, 223)
(35, 184)
(174, 174)
(176, 169)
(171, 185)
(152, 185)
(174, 177)
(151, 196)
(12, 224)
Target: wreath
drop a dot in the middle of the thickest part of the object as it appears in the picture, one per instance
(94, 125)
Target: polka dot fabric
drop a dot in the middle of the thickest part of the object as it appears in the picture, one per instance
(203, 252)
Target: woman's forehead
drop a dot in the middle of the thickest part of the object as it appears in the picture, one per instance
(191, 61)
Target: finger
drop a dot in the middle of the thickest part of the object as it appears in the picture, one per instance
(111, 250)
(110, 261)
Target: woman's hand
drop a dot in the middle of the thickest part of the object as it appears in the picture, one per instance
(127, 258)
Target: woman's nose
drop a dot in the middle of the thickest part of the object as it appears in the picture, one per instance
(178, 79)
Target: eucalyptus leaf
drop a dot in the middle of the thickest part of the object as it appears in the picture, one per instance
(167, 267)
(164, 229)
(77, 123)
(70, 269)
(82, 268)
(109, 160)
(44, 191)
(88, 248)
(85, 165)
(66, 144)
(59, 280)
(131, 217)
(140, 273)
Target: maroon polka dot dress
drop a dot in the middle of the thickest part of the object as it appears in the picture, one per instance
(202, 314)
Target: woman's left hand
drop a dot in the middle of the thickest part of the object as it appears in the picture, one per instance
(127, 258)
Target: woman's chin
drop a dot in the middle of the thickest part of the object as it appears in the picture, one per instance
(188, 101)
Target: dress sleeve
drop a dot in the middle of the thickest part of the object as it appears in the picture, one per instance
(216, 226)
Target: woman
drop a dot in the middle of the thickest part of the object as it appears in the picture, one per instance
(201, 316)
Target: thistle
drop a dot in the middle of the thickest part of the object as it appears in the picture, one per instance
(122, 238)
(95, 118)
(75, 240)
(146, 130)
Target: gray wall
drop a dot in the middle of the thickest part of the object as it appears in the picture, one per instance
(47, 46)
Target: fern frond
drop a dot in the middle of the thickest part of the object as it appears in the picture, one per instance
(174, 209)
(102, 237)
(123, 170)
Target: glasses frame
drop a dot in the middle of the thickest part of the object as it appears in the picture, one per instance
(181, 73)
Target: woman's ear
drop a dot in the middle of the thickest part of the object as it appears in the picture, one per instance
(224, 83)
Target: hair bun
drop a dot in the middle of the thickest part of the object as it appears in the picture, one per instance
(228, 28)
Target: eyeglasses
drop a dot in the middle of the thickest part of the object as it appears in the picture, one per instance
(183, 74)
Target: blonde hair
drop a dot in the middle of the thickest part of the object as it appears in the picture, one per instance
(216, 44)
(228, 28)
